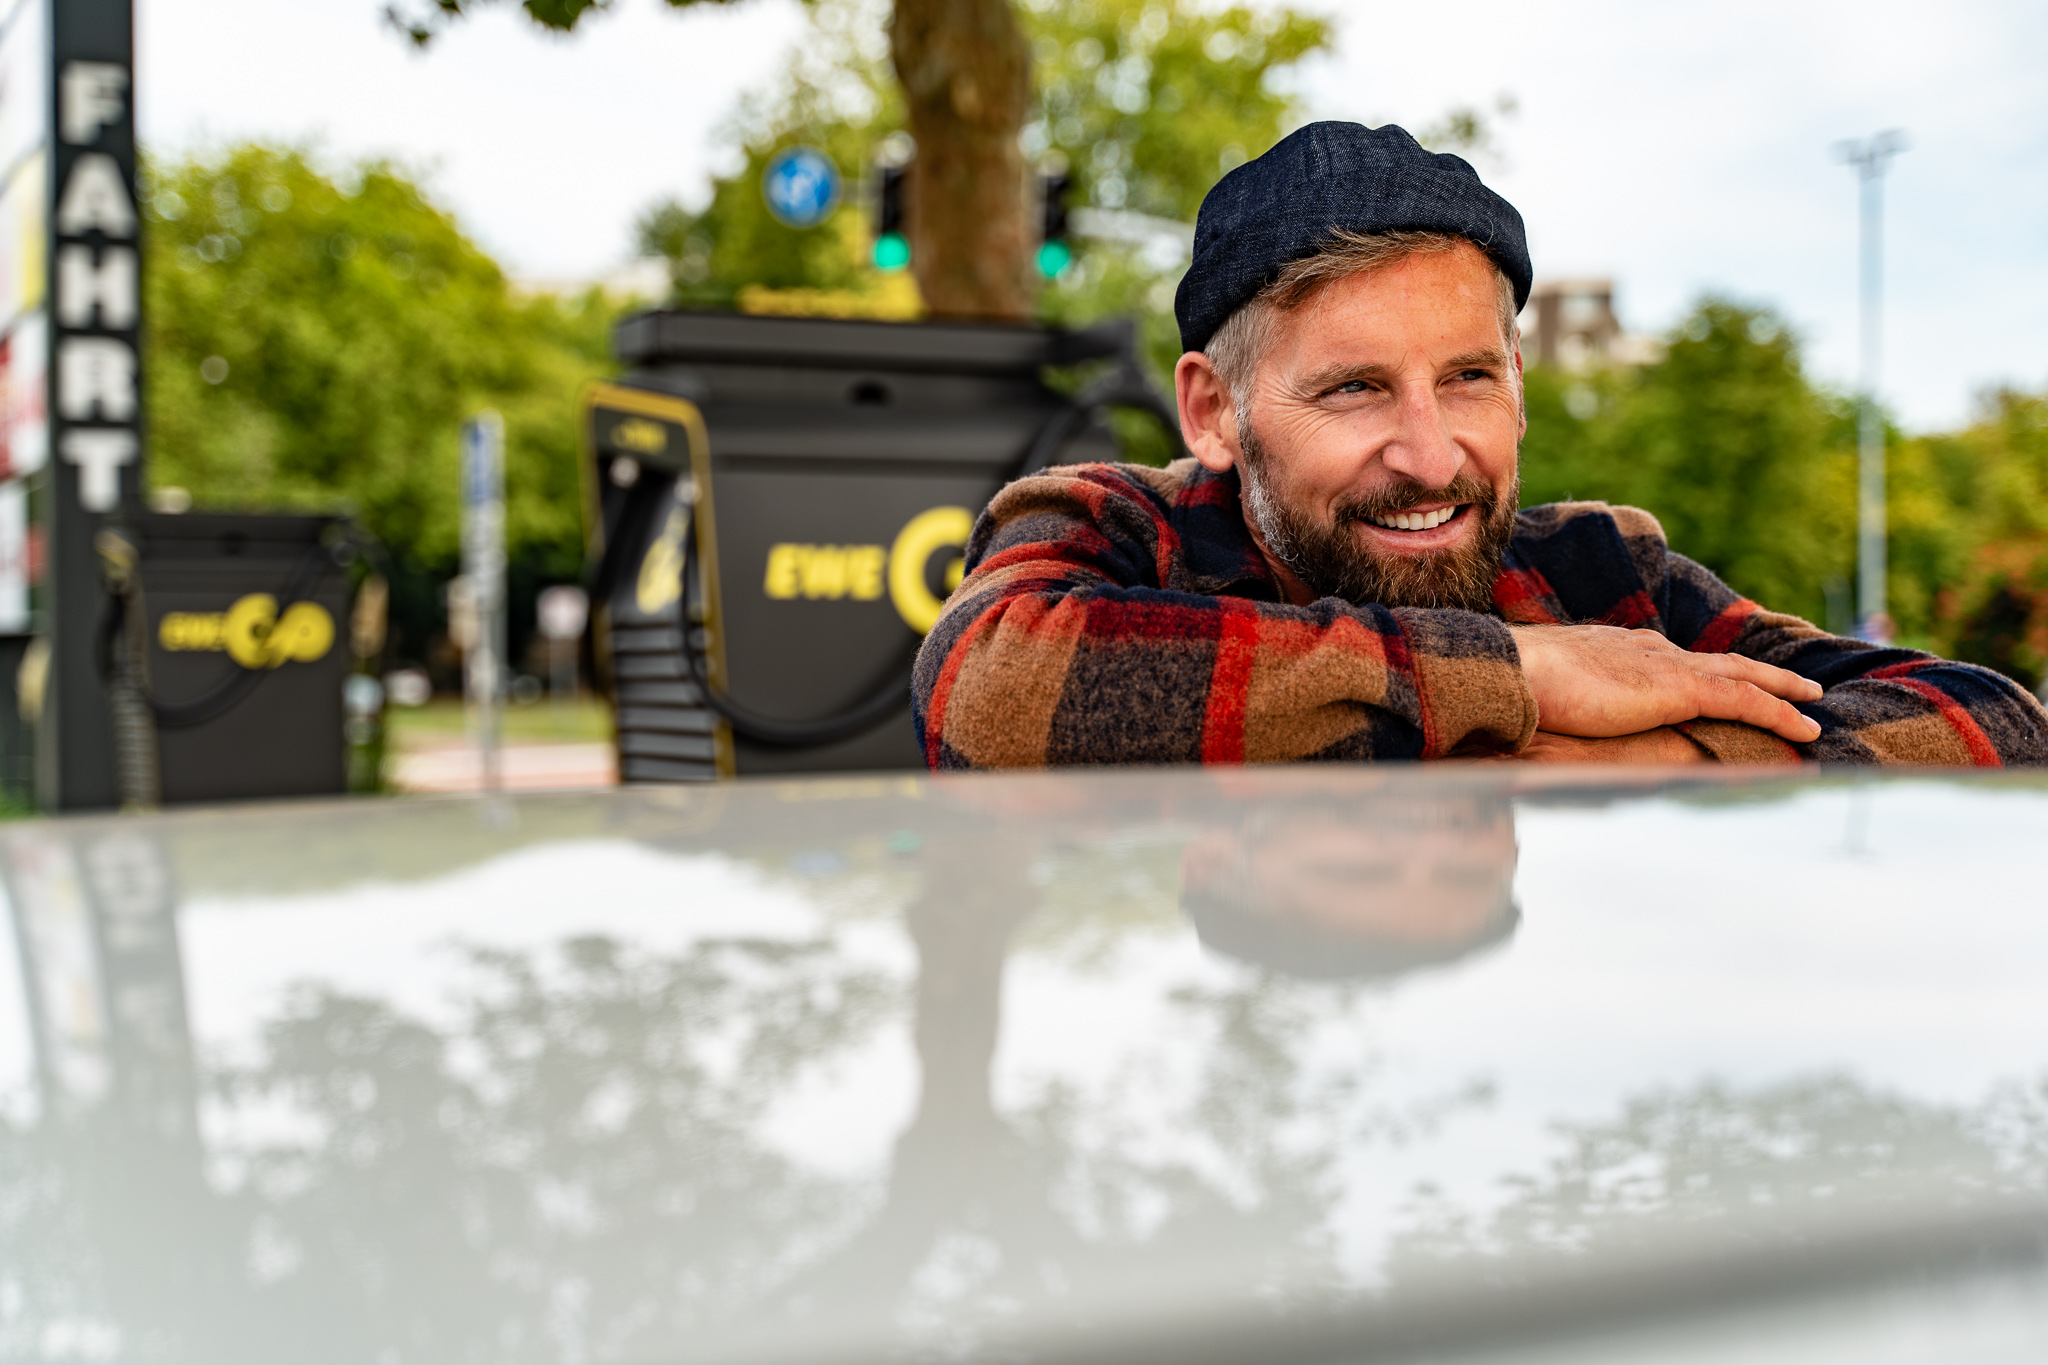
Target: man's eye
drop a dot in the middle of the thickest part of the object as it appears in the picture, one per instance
(1351, 386)
(1468, 376)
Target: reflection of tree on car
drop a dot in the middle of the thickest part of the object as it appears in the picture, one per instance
(589, 1122)
(1762, 1167)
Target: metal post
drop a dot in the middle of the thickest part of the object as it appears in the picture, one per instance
(1871, 158)
(562, 611)
(483, 565)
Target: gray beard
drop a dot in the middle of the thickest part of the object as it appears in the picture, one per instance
(1330, 560)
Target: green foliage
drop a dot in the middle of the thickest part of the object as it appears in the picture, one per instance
(1149, 101)
(423, 20)
(1990, 484)
(1749, 467)
(838, 96)
(1752, 470)
(316, 342)
(1146, 101)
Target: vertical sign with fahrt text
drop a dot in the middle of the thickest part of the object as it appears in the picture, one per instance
(95, 408)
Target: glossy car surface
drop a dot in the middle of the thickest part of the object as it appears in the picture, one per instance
(1285, 1065)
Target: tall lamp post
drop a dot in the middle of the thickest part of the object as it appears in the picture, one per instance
(1871, 157)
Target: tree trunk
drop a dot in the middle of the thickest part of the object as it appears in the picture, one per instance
(965, 71)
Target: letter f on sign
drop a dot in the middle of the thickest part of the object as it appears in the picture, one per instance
(94, 94)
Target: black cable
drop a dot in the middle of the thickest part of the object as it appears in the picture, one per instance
(879, 706)
(1123, 387)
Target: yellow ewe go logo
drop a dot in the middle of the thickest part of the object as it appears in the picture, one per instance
(863, 572)
(251, 632)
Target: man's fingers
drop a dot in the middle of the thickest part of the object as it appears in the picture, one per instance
(1604, 681)
(1779, 682)
(1723, 698)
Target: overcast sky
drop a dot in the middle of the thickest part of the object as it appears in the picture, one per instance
(1675, 147)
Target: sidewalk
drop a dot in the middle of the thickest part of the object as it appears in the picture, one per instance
(521, 767)
(544, 748)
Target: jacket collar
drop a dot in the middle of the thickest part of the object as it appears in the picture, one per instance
(1216, 545)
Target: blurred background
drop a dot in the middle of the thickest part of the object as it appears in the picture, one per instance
(363, 225)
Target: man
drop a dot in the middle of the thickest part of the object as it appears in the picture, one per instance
(1340, 571)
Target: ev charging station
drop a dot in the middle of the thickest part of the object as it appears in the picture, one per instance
(777, 509)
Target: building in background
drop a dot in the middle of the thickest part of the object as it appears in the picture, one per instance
(1572, 324)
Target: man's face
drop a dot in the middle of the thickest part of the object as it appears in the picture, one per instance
(1378, 458)
(1405, 881)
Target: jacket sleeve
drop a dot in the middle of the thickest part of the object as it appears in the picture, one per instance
(1074, 638)
(1880, 705)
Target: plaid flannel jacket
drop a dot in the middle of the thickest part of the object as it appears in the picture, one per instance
(1120, 614)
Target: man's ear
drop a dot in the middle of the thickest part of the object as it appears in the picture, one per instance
(1208, 417)
(1521, 389)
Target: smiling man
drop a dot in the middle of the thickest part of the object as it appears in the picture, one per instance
(1342, 569)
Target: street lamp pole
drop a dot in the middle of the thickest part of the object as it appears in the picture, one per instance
(1871, 157)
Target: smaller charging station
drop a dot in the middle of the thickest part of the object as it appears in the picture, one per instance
(226, 650)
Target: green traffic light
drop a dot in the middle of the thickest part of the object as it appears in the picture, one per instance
(1053, 257)
(892, 251)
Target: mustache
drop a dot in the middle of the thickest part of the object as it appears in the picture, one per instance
(1407, 494)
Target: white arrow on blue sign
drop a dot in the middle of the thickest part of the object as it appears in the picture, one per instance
(801, 186)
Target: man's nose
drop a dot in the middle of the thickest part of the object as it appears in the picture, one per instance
(1422, 448)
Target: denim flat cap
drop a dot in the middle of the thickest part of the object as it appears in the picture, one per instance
(1321, 178)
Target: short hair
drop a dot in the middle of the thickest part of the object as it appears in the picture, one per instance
(1240, 343)
(1314, 952)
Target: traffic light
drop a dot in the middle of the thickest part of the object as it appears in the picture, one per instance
(1055, 252)
(892, 248)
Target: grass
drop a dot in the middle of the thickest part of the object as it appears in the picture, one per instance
(587, 720)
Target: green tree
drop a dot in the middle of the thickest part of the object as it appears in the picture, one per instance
(1146, 101)
(1149, 101)
(316, 341)
(836, 96)
(1752, 470)
(1748, 466)
(1987, 487)
(1148, 104)
(963, 69)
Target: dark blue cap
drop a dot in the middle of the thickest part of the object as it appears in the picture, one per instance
(1322, 178)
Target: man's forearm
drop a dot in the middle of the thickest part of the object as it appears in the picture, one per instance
(1889, 706)
(1664, 746)
(1019, 674)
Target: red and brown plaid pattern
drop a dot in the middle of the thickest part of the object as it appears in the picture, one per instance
(1118, 614)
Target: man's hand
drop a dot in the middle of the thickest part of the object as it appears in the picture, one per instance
(1601, 681)
(1662, 746)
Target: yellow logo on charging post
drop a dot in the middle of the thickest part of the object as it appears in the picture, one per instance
(860, 572)
(828, 571)
(940, 528)
(251, 632)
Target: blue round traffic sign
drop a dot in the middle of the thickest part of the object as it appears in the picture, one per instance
(801, 186)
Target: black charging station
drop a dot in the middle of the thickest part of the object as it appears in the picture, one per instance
(797, 492)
